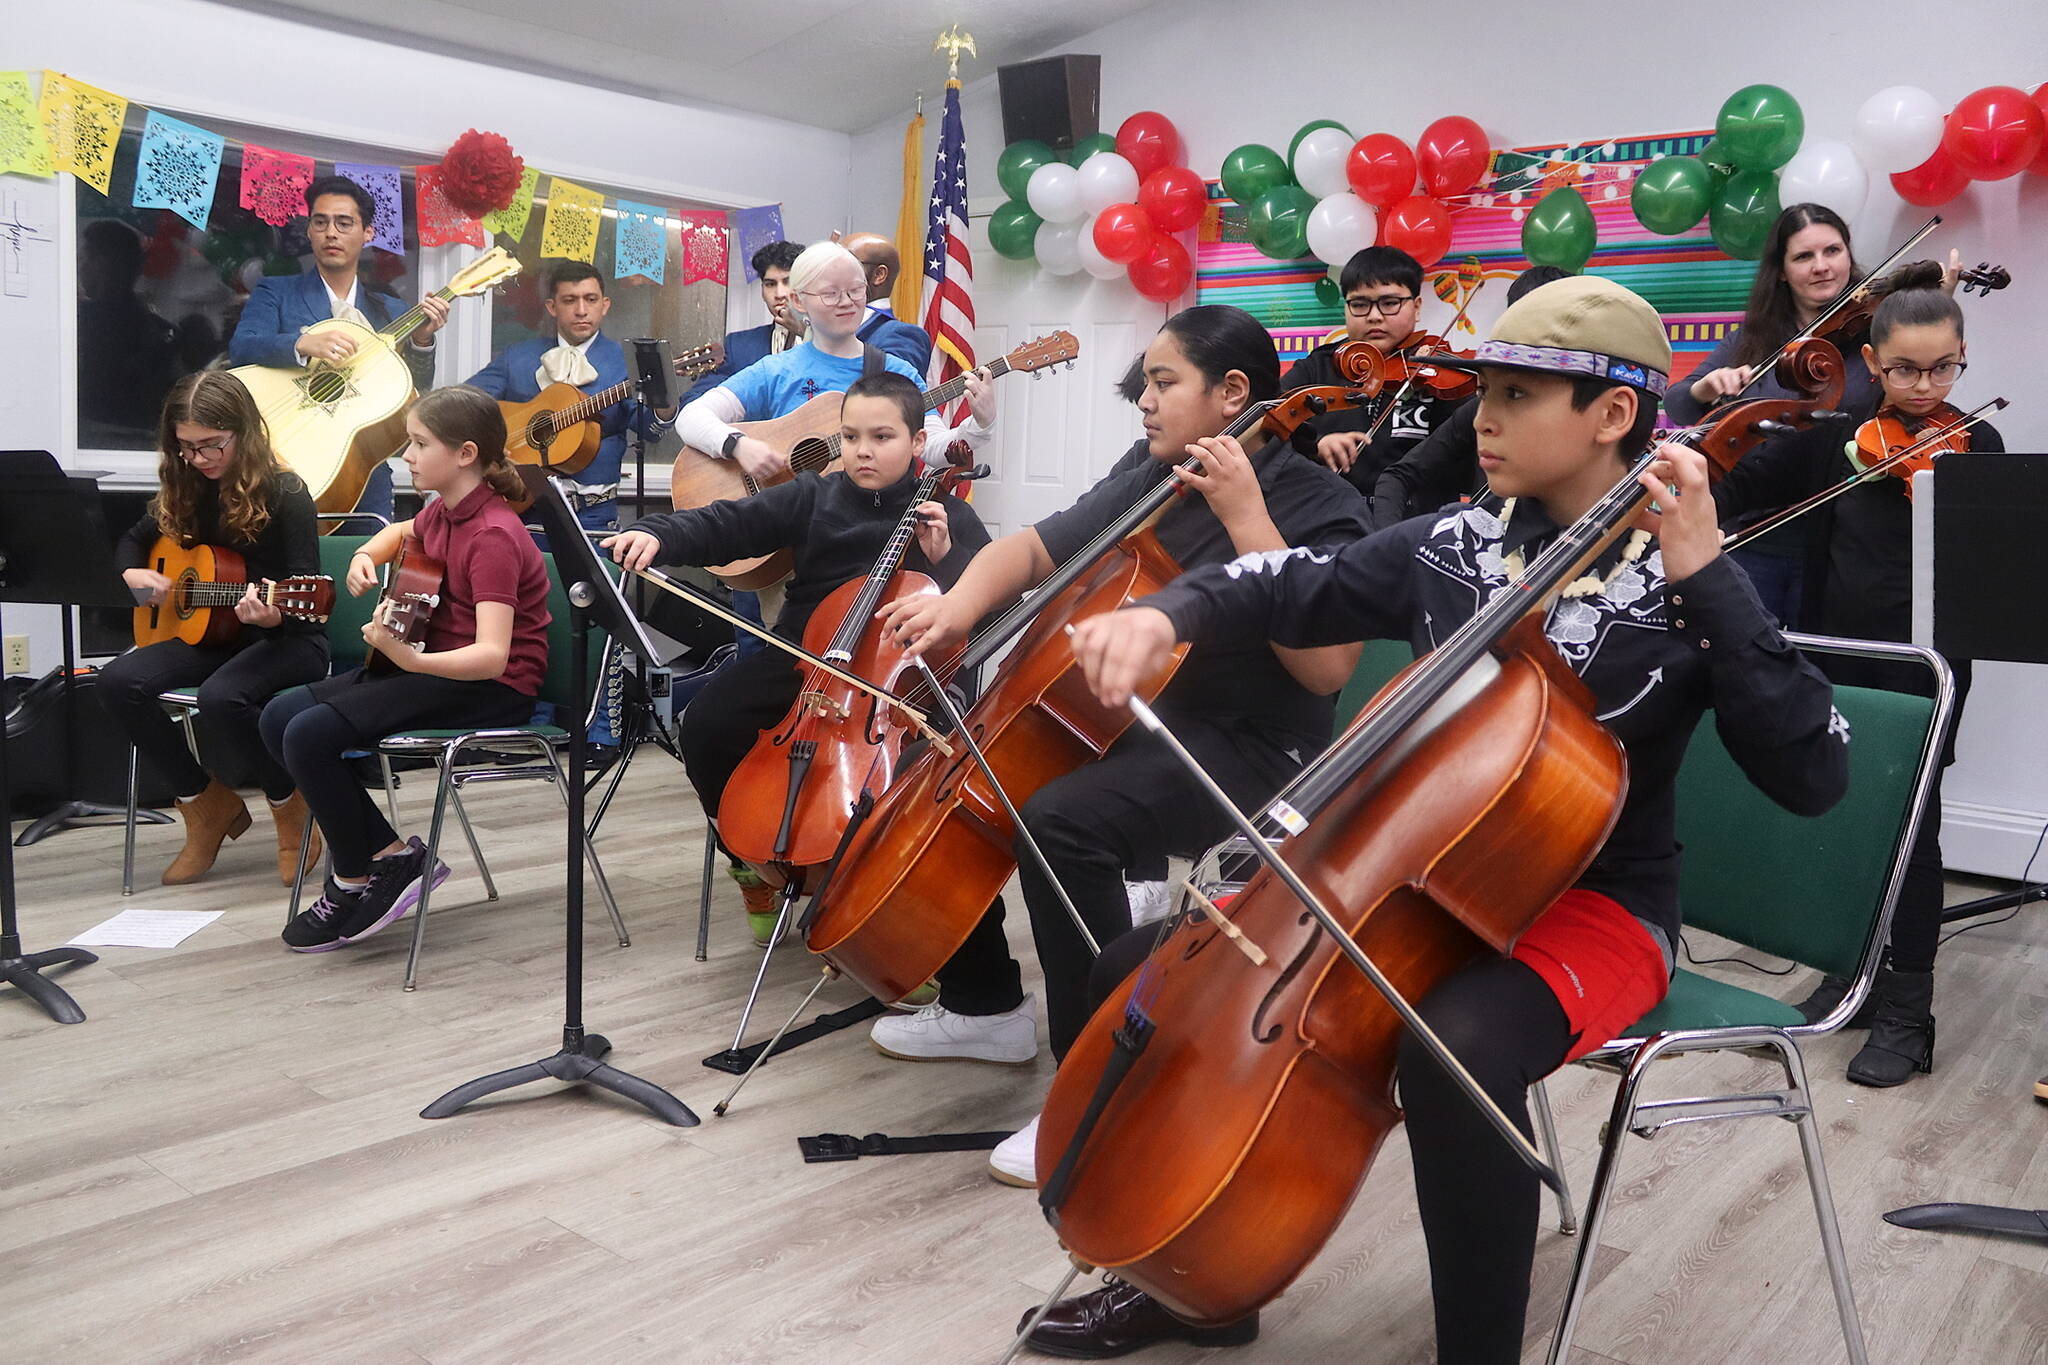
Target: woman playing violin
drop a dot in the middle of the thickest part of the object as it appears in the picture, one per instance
(1253, 711)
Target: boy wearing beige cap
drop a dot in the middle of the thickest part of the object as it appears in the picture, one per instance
(1661, 627)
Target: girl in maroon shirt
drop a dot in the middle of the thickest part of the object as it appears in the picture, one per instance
(484, 657)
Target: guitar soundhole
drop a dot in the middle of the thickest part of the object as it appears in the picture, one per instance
(539, 435)
(812, 453)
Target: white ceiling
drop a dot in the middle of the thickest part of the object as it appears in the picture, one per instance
(830, 63)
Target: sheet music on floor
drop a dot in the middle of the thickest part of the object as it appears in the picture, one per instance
(147, 929)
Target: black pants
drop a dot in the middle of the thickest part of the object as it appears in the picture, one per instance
(235, 680)
(748, 694)
(308, 729)
(1479, 1203)
(1130, 808)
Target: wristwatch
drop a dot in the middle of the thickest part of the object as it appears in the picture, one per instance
(732, 443)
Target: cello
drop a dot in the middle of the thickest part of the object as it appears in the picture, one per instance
(921, 870)
(1214, 1121)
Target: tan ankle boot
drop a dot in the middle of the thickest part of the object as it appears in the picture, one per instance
(215, 814)
(291, 819)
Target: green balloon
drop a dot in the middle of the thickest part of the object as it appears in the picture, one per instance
(1672, 194)
(1253, 169)
(1090, 145)
(1279, 222)
(1013, 229)
(1744, 210)
(1760, 127)
(1560, 231)
(1018, 161)
(1308, 128)
(1715, 158)
(1328, 294)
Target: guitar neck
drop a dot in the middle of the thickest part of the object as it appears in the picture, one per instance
(586, 408)
(945, 393)
(406, 323)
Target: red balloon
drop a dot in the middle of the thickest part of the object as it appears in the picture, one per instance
(1420, 226)
(1933, 182)
(1149, 142)
(1123, 233)
(1381, 169)
(1173, 198)
(1994, 132)
(2040, 163)
(1452, 154)
(1164, 272)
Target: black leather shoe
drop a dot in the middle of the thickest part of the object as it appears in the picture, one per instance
(1118, 1319)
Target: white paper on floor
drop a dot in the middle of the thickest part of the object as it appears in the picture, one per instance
(146, 929)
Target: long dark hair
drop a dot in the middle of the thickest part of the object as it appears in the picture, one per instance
(217, 400)
(461, 413)
(1217, 339)
(1772, 317)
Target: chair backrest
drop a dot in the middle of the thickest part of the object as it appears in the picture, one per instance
(1813, 889)
(345, 624)
(1378, 662)
(559, 684)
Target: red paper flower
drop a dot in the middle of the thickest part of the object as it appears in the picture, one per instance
(480, 174)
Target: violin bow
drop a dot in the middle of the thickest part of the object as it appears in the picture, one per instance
(883, 695)
(1884, 466)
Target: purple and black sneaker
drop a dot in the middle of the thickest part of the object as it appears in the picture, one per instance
(396, 885)
(317, 928)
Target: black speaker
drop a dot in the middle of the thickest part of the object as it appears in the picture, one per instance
(1057, 100)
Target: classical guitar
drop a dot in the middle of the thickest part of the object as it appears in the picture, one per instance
(411, 592)
(810, 435)
(206, 582)
(560, 427)
(331, 424)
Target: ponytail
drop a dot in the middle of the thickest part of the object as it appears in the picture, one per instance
(462, 414)
(1914, 298)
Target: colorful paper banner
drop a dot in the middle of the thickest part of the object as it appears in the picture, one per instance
(440, 222)
(177, 168)
(511, 220)
(24, 150)
(387, 187)
(704, 246)
(83, 125)
(640, 241)
(570, 229)
(274, 184)
(753, 229)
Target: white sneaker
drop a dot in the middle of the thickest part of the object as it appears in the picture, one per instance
(936, 1034)
(1149, 901)
(1015, 1159)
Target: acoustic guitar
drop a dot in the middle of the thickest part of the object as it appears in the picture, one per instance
(810, 435)
(332, 424)
(560, 427)
(411, 592)
(206, 582)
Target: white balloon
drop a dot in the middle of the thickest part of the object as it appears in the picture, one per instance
(1319, 162)
(1102, 180)
(1092, 259)
(1826, 173)
(1053, 194)
(1340, 226)
(1057, 245)
(1897, 128)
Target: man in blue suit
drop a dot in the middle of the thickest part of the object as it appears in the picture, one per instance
(272, 329)
(883, 329)
(785, 329)
(576, 352)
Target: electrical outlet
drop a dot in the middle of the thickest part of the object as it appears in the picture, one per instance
(17, 654)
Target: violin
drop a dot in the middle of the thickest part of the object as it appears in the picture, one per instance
(919, 872)
(1853, 311)
(1216, 1118)
(1893, 433)
(1405, 367)
(789, 801)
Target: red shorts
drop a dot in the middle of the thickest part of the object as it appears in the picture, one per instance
(1599, 961)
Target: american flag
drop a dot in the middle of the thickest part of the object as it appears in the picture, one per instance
(948, 268)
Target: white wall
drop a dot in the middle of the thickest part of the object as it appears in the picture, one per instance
(1563, 72)
(211, 62)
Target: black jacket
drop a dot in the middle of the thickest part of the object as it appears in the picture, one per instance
(289, 544)
(1416, 414)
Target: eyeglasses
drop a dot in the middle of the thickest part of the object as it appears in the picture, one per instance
(857, 294)
(193, 452)
(1385, 306)
(1947, 372)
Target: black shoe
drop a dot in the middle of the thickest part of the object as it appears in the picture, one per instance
(393, 889)
(1120, 1318)
(1901, 1031)
(317, 928)
(1828, 994)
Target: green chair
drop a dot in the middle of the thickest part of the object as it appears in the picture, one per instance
(1378, 662)
(1818, 891)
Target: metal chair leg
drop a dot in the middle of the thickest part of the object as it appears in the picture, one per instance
(1824, 1204)
(704, 892)
(128, 841)
(475, 850)
(1546, 1132)
(291, 910)
(1596, 1207)
(419, 912)
(390, 787)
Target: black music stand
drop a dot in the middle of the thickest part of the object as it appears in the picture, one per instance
(1976, 537)
(49, 554)
(591, 592)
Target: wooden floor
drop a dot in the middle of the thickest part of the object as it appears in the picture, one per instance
(225, 1162)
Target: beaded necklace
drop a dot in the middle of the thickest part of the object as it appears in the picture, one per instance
(1587, 586)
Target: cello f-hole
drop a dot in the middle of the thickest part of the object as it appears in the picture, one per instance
(1261, 1034)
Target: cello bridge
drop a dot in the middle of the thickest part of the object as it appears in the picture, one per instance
(819, 704)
